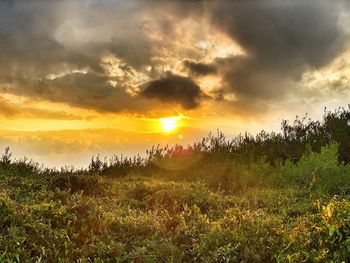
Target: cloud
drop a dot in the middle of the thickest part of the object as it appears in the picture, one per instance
(333, 80)
(43, 39)
(282, 39)
(174, 89)
(199, 68)
(13, 110)
(84, 90)
(6, 109)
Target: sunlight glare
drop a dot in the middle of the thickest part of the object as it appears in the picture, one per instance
(169, 124)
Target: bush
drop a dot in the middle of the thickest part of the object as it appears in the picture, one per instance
(320, 171)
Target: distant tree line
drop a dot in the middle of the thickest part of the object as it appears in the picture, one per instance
(297, 137)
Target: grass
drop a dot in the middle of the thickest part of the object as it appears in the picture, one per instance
(214, 201)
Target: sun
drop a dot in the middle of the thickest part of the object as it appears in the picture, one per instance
(169, 124)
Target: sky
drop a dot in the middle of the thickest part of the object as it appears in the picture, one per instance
(86, 77)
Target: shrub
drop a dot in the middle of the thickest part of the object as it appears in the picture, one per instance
(322, 237)
(320, 171)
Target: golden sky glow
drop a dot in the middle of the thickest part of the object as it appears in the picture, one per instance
(84, 77)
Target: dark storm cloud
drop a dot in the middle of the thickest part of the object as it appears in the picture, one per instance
(199, 68)
(83, 90)
(282, 39)
(174, 89)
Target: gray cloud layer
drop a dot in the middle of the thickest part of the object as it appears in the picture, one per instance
(282, 40)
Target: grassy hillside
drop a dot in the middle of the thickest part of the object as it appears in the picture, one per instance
(274, 197)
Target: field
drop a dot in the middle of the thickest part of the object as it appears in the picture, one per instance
(273, 197)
